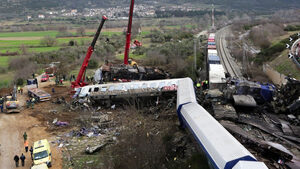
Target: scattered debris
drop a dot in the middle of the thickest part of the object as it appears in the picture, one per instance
(93, 149)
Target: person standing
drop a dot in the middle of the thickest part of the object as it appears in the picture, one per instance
(31, 152)
(1, 103)
(25, 136)
(26, 146)
(22, 157)
(32, 102)
(16, 159)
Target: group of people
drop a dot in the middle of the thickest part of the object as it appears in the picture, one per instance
(22, 156)
(203, 84)
(30, 102)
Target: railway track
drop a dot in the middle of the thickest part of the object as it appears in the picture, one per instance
(225, 58)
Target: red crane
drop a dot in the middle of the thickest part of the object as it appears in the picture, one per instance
(128, 34)
(79, 82)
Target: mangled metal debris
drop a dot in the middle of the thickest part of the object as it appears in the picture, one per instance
(244, 100)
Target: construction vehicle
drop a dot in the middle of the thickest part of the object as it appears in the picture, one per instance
(136, 44)
(128, 34)
(80, 80)
(132, 62)
(35, 92)
(11, 104)
(42, 153)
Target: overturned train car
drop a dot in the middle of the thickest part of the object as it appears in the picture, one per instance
(125, 73)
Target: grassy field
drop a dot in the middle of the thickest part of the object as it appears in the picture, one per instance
(6, 79)
(286, 66)
(4, 61)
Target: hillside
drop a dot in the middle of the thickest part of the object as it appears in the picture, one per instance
(17, 6)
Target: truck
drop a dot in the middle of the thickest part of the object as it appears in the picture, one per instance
(34, 91)
(52, 69)
(42, 153)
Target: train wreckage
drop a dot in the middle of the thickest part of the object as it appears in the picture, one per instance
(244, 108)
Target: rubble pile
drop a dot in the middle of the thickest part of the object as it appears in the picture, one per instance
(269, 129)
(287, 98)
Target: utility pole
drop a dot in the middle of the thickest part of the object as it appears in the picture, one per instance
(195, 54)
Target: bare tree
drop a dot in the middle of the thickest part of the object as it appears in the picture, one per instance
(24, 49)
(48, 41)
(80, 31)
(62, 29)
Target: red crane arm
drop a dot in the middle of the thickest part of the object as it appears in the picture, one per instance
(128, 34)
(79, 82)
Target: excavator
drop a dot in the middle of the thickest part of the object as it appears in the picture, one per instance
(11, 104)
(80, 80)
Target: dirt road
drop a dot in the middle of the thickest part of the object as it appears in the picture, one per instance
(12, 127)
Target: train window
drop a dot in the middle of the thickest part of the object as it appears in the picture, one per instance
(118, 87)
(144, 85)
(90, 89)
(135, 86)
(111, 88)
(96, 89)
(103, 89)
(161, 84)
(153, 85)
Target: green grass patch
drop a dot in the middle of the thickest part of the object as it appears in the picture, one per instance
(6, 79)
(44, 49)
(284, 65)
(4, 60)
(131, 55)
(18, 43)
(29, 34)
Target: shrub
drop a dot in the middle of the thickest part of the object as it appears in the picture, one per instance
(93, 64)
(48, 41)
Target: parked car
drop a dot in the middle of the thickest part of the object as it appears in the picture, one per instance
(45, 78)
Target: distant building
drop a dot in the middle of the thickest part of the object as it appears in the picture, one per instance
(41, 16)
(74, 12)
(29, 17)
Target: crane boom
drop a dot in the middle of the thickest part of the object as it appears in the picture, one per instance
(79, 82)
(128, 34)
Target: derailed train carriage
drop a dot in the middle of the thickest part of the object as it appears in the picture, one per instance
(109, 73)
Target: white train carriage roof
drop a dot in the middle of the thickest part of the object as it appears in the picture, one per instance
(220, 146)
(186, 94)
(250, 165)
(216, 73)
(212, 35)
(212, 51)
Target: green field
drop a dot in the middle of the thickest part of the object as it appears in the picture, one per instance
(28, 34)
(4, 61)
